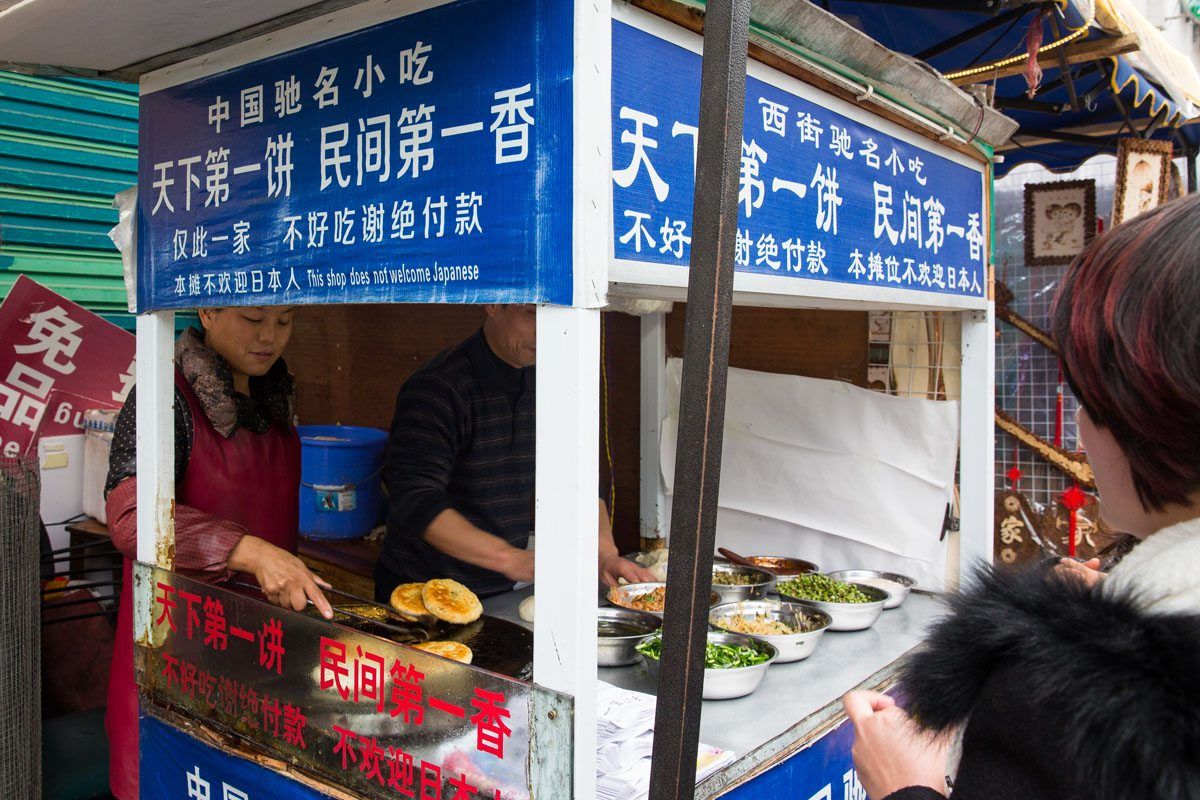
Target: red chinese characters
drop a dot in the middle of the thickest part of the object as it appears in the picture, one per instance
(205, 617)
(333, 666)
(294, 723)
(370, 677)
(490, 728)
(393, 768)
(216, 634)
(407, 693)
(270, 646)
(235, 701)
(165, 599)
(193, 618)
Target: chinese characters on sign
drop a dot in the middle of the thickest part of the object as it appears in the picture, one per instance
(820, 195)
(370, 715)
(57, 360)
(404, 162)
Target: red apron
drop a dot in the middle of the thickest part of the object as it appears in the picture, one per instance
(251, 479)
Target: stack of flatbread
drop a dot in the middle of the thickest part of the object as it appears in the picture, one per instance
(440, 599)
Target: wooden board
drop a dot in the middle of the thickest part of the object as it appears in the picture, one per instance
(816, 344)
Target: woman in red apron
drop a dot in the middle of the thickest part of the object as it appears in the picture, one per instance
(237, 482)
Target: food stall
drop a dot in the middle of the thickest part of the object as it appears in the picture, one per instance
(483, 151)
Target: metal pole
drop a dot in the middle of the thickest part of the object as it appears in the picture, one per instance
(1191, 169)
(702, 400)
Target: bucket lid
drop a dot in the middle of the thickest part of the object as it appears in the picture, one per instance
(340, 435)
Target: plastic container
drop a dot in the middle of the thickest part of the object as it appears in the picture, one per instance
(98, 427)
(340, 480)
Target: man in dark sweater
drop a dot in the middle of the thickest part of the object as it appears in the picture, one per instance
(460, 466)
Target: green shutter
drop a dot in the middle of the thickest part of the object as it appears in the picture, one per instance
(67, 146)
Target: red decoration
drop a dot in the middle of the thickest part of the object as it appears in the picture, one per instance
(1073, 499)
(1014, 475)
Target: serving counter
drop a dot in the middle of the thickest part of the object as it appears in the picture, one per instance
(797, 705)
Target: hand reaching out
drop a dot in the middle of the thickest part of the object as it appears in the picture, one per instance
(890, 752)
(283, 577)
(1088, 572)
(613, 568)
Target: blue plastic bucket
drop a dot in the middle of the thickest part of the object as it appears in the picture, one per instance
(340, 480)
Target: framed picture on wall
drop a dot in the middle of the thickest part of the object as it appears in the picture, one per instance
(1143, 177)
(1060, 219)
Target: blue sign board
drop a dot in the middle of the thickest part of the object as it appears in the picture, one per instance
(822, 771)
(175, 766)
(821, 195)
(425, 159)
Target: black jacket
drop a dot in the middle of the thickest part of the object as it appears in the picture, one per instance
(1067, 693)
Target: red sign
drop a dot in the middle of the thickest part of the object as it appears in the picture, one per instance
(57, 360)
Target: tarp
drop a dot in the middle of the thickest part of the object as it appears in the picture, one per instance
(830, 472)
(1128, 56)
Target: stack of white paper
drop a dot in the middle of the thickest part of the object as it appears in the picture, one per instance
(625, 737)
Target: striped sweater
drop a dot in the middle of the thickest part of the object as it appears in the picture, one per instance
(463, 438)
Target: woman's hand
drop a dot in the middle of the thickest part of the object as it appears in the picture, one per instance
(283, 577)
(1088, 572)
(889, 752)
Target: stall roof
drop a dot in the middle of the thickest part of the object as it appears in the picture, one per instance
(123, 40)
(1107, 71)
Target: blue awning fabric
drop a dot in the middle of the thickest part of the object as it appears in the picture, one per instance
(1154, 85)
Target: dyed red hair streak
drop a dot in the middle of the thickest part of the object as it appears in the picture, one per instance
(1127, 323)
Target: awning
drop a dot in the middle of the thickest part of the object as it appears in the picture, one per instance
(121, 40)
(1106, 71)
(99, 38)
(1155, 58)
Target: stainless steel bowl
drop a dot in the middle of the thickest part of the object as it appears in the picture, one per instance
(734, 592)
(783, 567)
(849, 616)
(791, 646)
(619, 632)
(724, 684)
(898, 585)
(621, 595)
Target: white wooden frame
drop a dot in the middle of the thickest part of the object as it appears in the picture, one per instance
(568, 384)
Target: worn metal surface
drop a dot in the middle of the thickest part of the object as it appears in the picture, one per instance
(362, 712)
(551, 746)
(702, 399)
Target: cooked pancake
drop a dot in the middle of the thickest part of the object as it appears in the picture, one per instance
(455, 651)
(451, 601)
(406, 598)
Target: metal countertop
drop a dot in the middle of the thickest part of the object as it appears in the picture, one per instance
(794, 700)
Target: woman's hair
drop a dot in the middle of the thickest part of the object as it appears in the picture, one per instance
(1127, 323)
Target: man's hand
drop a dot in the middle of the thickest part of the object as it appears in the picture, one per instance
(516, 564)
(1087, 572)
(889, 752)
(613, 567)
(283, 577)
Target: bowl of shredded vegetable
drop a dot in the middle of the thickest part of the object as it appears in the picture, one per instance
(792, 628)
(734, 665)
(648, 597)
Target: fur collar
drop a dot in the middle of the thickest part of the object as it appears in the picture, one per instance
(1162, 574)
(271, 399)
(1119, 685)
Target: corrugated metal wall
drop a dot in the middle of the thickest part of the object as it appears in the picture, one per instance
(66, 147)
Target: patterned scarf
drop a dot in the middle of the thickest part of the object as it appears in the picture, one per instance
(272, 396)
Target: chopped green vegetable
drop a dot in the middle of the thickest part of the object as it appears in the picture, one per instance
(716, 655)
(821, 587)
(735, 579)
